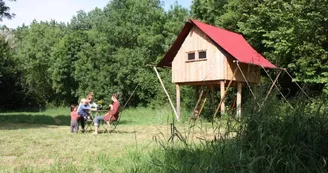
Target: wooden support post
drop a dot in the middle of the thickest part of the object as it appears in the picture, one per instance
(222, 94)
(239, 88)
(177, 87)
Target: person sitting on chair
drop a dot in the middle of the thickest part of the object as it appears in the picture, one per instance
(111, 115)
(92, 104)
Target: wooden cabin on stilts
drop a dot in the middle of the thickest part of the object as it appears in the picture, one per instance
(205, 55)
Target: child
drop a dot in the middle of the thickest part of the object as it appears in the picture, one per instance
(74, 118)
(84, 109)
(83, 112)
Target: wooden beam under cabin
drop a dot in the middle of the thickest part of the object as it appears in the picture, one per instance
(177, 86)
(239, 90)
(222, 94)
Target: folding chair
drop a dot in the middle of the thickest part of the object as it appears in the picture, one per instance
(93, 114)
(88, 124)
(111, 126)
(106, 125)
(115, 123)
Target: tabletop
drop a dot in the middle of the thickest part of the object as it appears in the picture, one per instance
(95, 113)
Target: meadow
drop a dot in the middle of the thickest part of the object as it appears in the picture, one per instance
(41, 141)
(275, 138)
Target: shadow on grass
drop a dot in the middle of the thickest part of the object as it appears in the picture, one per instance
(104, 129)
(36, 121)
(19, 126)
(27, 109)
(103, 132)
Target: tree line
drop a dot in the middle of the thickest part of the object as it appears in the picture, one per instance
(110, 50)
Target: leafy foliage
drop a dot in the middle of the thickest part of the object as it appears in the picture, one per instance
(111, 49)
(292, 34)
(10, 90)
(5, 10)
(105, 51)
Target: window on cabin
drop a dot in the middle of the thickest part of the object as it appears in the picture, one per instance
(202, 54)
(191, 55)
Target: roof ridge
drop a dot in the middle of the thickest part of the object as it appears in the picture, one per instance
(233, 43)
(218, 27)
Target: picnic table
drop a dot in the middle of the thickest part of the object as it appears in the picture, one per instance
(93, 114)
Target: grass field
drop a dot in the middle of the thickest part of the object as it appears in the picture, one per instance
(274, 139)
(42, 142)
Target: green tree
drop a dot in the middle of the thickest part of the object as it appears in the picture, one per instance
(62, 68)
(12, 94)
(208, 10)
(34, 56)
(105, 51)
(292, 34)
(5, 10)
(135, 32)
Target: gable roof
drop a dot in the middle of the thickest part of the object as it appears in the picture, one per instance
(235, 44)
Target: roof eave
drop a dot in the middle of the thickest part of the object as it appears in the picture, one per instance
(171, 53)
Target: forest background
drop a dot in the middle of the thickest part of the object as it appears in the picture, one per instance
(50, 64)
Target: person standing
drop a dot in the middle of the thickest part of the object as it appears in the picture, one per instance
(74, 119)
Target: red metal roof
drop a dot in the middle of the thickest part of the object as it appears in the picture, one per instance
(235, 44)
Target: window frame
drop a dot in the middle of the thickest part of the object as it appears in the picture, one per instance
(189, 53)
(202, 51)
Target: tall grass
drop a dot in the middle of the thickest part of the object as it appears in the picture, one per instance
(280, 139)
(275, 138)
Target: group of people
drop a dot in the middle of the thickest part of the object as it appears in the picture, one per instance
(81, 113)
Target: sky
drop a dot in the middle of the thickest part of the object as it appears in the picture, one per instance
(60, 10)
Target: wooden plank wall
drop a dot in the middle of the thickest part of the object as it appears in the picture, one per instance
(251, 72)
(214, 68)
(198, 70)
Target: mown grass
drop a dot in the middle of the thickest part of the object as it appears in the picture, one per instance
(42, 142)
